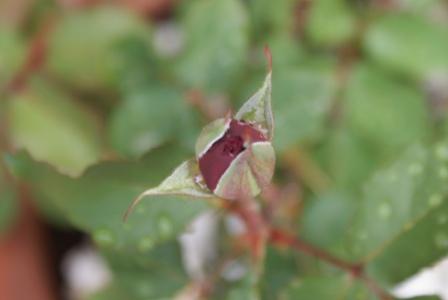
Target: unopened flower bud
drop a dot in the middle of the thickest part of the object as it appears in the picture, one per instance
(234, 155)
(237, 161)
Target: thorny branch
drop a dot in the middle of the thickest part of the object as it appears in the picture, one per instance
(280, 238)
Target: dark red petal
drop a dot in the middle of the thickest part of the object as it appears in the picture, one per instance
(218, 158)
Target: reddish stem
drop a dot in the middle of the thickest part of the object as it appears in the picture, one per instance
(258, 228)
(35, 58)
(255, 226)
(25, 272)
(268, 55)
(281, 238)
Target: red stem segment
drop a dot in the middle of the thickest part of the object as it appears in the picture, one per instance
(258, 227)
(281, 238)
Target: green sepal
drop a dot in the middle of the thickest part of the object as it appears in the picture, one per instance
(258, 109)
(184, 181)
(210, 134)
(249, 173)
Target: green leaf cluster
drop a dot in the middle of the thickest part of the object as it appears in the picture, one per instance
(359, 97)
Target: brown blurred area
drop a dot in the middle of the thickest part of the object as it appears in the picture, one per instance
(24, 259)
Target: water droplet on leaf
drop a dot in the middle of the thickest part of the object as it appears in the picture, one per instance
(392, 177)
(384, 210)
(441, 240)
(165, 226)
(144, 289)
(104, 237)
(140, 210)
(442, 219)
(435, 200)
(362, 235)
(145, 244)
(443, 172)
(442, 152)
(415, 169)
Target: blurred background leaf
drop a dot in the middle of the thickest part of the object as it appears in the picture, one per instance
(53, 128)
(397, 114)
(97, 201)
(94, 66)
(408, 44)
(150, 116)
(12, 55)
(217, 37)
(331, 22)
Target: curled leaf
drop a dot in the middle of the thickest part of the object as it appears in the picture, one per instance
(182, 182)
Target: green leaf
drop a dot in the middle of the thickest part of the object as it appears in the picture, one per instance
(386, 112)
(244, 289)
(271, 16)
(347, 159)
(327, 288)
(216, 44)
(8, 204)
(425, 298)
(327, 218)
(286, 51)
(409, 44)
(12, 55)
(112, 292)
(157, 275)
(53, 128)
(302, 98)
(150, 115)
(97, 201)
(331, 22)
(182, 182)
(137, 67)
(419, 6)
(81, 49)
(258, 108)
(404, 205)
(280, 268)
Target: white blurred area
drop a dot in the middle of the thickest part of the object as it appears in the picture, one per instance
(199, 244)
(85, 272)
(430, 281)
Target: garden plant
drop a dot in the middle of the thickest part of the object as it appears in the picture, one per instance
(232, 149)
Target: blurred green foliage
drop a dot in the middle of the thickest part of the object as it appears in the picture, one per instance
(12, 49)
(8, 204)
(360, 99)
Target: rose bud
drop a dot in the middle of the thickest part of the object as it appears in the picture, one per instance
(234, 155)
(236, 160)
